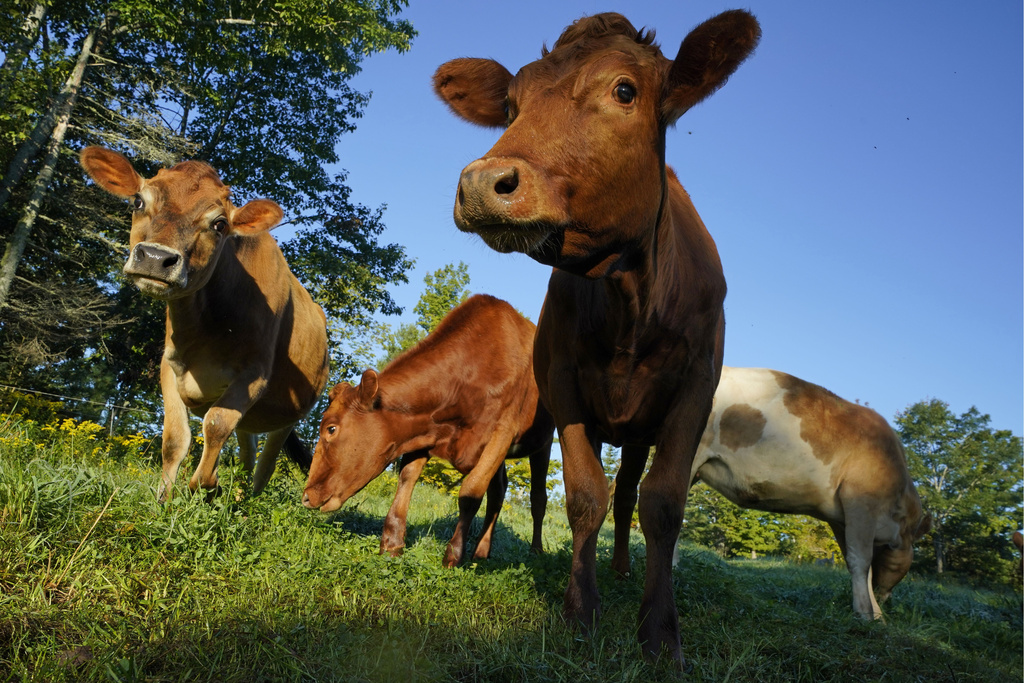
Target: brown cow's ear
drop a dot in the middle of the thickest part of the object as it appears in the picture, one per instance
(708, 56)
(368, 388)
(111, 171)
(475, 90)
(256, 216)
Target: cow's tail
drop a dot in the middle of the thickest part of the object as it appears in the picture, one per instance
(298, 451)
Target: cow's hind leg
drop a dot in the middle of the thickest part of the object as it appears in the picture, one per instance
(392, 539)
(267, 461)
(471, 492)
(539, 462)
(631, 468)
(495, 499)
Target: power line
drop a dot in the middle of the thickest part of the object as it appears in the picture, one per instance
(110, 406)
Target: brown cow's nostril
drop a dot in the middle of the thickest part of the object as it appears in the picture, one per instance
(507, 181)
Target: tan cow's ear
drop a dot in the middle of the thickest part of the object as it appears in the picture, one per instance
(111, 171)
(709, 54)
(256, 216)
(368, 388)
(476, 90)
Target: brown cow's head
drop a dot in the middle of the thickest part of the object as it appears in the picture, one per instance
(356, 444)
(578, 177)
(181, 219)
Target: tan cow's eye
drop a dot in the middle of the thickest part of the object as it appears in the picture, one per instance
(139, 203)
(332, 429)
(220, 225)
(624, 93)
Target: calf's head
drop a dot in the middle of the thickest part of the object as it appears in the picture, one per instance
(357, 441)
(181, 218)
(578, 176)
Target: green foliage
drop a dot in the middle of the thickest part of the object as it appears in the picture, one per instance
(444, 289)
(259, 90)
(101, 583)
(969, 479)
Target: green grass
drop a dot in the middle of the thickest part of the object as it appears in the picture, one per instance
(99, 583)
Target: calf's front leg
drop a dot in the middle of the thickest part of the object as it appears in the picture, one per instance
(177, 437)
(392, 539)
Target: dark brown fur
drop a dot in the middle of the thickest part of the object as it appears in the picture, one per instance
(629, 343)
(465, 394)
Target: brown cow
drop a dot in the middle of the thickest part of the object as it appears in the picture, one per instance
(629, 343)
(466, 394)
(245, 345)
(777, 443)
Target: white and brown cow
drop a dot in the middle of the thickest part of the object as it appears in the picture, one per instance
(245, 344)
(777, 443)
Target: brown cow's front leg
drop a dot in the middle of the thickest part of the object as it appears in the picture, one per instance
(631, 468)
(177, 437)
(495, 499)
(392, 539)
(662, 501)
(472, 490)
(586, 496)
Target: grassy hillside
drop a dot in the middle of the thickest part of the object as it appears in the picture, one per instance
(99, 583)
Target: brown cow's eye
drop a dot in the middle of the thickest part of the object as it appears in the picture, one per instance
(139, 203)
(220, 225)
(332, 429)
(624, 93)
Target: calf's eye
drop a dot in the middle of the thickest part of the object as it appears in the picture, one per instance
(139, 203)
(220, 225)
(624, 93)
(332, 429)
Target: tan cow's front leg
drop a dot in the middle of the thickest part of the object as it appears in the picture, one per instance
(472, 490)
(392, 539)
(177, 437)
(218, 423)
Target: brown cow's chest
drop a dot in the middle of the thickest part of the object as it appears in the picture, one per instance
(629, 391)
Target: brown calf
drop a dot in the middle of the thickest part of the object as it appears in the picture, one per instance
(777, 443)
(629, 343)
(466, 394)
(246, 346)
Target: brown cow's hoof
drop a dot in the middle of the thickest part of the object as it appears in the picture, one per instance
(393, 552)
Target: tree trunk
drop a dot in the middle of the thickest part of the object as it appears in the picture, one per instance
(61, 115)
(940, 560)
(15, 58)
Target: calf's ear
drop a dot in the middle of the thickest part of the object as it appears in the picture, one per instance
(256, 216)
(111, 171)
(368, 388)
(709, 54)
(475, 90)
(336, 391)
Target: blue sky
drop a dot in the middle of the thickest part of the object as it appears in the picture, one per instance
(861, 174)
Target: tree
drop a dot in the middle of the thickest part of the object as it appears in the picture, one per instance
(444, 289)
(969, 479)
(259, 90)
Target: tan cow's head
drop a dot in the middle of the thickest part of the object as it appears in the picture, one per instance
(180, 221)
(579, 174)
(357, 442)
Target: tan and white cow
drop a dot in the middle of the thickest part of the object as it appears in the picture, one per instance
(777, 443)
(245, 344)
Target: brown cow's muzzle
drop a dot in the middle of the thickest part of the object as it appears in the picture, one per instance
(510, 204)
(156, 270)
